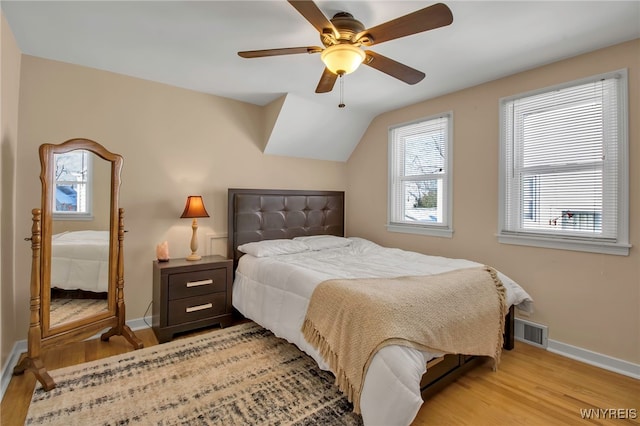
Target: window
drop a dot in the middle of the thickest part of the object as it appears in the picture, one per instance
(420, 177)
(73, 185)
(564, 167)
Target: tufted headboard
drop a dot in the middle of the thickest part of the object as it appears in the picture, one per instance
(268, 214)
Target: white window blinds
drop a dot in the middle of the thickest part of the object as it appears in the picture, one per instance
(419, 160)
(563, 174)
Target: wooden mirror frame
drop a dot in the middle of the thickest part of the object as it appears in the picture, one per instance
(41, 333)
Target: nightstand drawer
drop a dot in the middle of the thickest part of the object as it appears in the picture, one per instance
(189, 284)
(195, 308)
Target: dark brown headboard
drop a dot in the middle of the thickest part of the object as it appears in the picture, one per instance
(268, 214)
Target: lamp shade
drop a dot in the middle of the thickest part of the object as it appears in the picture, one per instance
(342, 58)
(194, 207)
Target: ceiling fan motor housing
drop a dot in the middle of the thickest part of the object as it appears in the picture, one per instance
(347, 26)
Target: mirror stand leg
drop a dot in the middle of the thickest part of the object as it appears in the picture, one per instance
(123, 330)
(36, 366)
(131, 337)
(31, 361)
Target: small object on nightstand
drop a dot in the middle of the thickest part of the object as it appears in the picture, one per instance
(162, 251)
(188, 295)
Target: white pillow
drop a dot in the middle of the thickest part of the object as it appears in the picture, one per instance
(266, 248)
(362, 246)
(323, 242)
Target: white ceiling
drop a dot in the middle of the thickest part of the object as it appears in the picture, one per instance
(193, 44)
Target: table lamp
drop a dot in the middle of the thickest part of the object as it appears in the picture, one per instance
(194, 209)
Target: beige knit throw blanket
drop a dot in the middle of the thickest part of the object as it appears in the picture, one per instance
(459, 312)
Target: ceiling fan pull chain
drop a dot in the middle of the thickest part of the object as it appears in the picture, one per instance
(341, 104)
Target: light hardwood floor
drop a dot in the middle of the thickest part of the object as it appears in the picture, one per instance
(531, 387)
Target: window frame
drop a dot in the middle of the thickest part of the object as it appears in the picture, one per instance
(444, 229)
(570, 241)
(88, 182)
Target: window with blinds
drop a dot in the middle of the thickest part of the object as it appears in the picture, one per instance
(564, 166)
(419, 176)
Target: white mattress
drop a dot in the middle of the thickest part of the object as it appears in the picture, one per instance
(80, 260)
(274, 292)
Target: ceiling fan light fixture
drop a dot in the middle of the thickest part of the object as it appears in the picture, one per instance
(342, 58)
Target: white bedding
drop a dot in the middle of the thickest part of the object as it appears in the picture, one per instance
(80, 260)
(274, 291)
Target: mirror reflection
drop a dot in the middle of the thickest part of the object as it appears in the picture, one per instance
(80, 237)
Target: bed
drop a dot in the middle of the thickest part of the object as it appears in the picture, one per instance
(273, 286)
(80, 264)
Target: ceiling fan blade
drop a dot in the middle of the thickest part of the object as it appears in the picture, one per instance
(310, 11)
(277, 52)
(429, 18)
(327, 81)
(393, 68)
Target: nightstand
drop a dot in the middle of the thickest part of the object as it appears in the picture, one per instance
(191, 294)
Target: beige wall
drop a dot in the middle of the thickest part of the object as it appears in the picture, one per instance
(174, 142)
(9, 93)
(588, 300)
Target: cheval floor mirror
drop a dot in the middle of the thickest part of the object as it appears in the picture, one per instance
(77, 268)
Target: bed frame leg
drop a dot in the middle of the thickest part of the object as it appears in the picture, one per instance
(509, 330)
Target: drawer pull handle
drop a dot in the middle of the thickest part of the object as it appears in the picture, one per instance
(199, 307)
(199, 283)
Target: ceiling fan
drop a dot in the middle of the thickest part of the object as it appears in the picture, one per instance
(343, 36)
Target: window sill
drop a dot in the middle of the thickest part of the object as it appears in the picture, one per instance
(566, 244)
(439, 231)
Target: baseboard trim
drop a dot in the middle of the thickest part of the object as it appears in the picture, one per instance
(596, 359)
(21, 346)
(18, 349)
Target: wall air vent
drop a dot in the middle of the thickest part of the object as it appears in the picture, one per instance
(531, 333)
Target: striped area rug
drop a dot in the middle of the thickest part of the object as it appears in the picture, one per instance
(63, 310)
(241, 375)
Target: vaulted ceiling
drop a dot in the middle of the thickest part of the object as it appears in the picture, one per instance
(194, 45)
